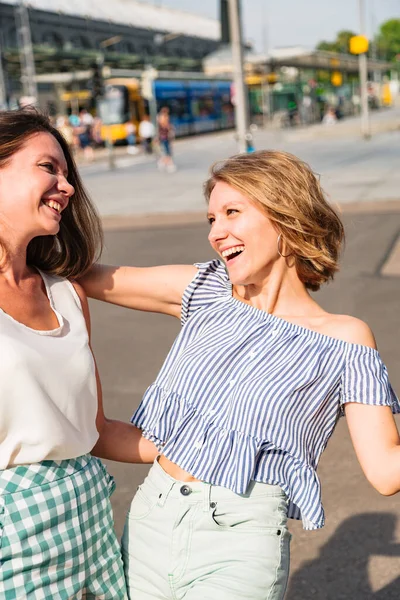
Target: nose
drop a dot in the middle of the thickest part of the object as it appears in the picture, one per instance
(217, 232)
(65, 187)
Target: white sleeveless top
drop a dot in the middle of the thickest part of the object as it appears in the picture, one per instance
(48, 394)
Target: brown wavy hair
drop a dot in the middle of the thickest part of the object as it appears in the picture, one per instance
(288, 191)
(80, 239)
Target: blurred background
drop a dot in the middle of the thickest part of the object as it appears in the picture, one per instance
(318, 79)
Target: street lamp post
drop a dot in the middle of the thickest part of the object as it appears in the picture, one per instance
(150, 74)
(241, 104)
(147, 85)
(100, 65)
(3, 89)
(363, 69)
(26, 53)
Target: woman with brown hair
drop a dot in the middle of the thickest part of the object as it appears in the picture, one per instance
(56, 526)
(251, 390)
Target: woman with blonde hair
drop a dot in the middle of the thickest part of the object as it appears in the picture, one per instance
(56, 528)
(251, 390)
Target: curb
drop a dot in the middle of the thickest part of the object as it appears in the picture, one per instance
(143, 220)
(345, 130)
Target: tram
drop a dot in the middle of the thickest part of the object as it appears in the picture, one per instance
(196, 106)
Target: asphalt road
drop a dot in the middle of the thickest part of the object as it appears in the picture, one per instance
(357, 555)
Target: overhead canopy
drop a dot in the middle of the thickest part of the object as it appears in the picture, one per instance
(132, 13)
(220, 61)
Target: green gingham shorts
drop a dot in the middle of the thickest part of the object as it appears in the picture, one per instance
(57, 539)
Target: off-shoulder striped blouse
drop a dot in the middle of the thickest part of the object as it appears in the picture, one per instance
(246, 395)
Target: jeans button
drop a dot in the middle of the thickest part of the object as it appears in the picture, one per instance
(185, 490)
(213, 504)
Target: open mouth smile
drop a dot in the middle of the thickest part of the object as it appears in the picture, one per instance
(231, 253)
(53, 205)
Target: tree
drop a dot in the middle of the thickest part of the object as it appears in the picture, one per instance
(388, 40)
(341, 43)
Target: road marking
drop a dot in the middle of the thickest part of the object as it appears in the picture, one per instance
(391, 266)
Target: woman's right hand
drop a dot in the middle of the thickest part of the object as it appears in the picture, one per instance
(153, 289)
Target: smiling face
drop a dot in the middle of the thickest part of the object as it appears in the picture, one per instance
(242, 235)
(34, 190)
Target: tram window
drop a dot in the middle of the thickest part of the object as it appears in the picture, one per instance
(113, 108)
(203, 107)
(177, 107)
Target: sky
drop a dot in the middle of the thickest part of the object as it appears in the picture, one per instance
(276, 23)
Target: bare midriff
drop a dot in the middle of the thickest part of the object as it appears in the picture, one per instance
(174, 471)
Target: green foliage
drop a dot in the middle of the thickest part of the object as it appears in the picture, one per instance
(341, 43)
(388, 40)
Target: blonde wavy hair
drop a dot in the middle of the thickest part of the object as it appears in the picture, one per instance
(287, 190)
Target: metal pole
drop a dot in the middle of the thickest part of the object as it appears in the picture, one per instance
(28, 72)
(110, 150)
(363, 70)
(3, 90)
(108, 141)
(241, 108)
(374, 53)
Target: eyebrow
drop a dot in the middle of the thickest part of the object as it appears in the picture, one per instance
(227, 205)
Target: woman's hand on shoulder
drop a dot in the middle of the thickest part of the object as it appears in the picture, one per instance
(352, 330)
(154, 289)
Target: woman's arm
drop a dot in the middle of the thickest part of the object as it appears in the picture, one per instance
(373, 429)
(154, 289)
(118, 440)
(376, 441)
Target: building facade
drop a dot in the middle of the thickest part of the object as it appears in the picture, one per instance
(71, 35)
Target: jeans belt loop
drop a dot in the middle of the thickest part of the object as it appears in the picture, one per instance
(164, 490)
(206, 496)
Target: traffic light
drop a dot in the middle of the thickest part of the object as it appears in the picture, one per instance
(97, 82)
(224, 18)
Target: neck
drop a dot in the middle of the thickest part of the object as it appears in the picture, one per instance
(280, 293)
(13, 265)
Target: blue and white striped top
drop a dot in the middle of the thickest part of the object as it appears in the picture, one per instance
(246, 395)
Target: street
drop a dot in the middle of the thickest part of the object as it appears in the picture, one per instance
(356, 556)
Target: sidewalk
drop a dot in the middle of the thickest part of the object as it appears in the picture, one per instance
(351, 169)
(381, 121)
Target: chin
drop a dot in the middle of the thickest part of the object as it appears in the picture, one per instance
(49, 231)
(237, 279)
(52, 228)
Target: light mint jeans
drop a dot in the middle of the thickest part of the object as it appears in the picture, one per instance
(196, 541)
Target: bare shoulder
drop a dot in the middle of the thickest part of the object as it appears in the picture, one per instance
(84, 302)
(350, 329)
(80, 291)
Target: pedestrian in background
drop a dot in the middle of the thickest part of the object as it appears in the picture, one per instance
(165, 134)
(330, 117)
(130, 129)
(97, 137)
(64, 127)
(84, 130)
(56, 523)
(251, 390)
(146, 134)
